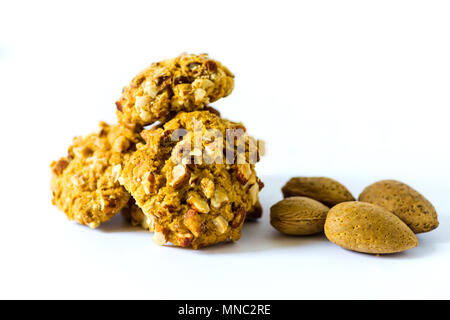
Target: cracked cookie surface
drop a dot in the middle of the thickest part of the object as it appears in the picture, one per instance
(85, 183)
(195, 193)
(186, 83)
(136, 216)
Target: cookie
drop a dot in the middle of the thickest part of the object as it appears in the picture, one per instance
(186, 83)
(195, 179)
(85, 183)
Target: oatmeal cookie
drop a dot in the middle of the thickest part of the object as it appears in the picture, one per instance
(85, 183)
(186, 83)
(195, 179)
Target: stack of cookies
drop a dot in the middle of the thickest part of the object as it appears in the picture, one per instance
(171, 164)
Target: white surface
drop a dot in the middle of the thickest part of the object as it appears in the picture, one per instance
(355, 90)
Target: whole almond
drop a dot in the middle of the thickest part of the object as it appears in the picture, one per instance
(403, 201)
(368, 228)
(298, 216)
(325, 190)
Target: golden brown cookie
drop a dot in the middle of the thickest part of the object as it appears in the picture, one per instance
(186, 83)
(190, 179)
(85, 183)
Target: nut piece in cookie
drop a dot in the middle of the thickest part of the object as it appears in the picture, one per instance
(195, 202)
(186, 83)
(85, 183)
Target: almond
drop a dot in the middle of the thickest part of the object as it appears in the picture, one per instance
(298, 216)
(325, 190)
(403, 201)
(368, 228)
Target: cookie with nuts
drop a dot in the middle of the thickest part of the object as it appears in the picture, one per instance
(186, 83)
(85, 183)
(195, 179)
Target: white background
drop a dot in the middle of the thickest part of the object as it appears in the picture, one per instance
(354, 90)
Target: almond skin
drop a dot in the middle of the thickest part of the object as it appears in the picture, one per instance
(365, 227)
(298, 216)
(325, 190)
(403, 201)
